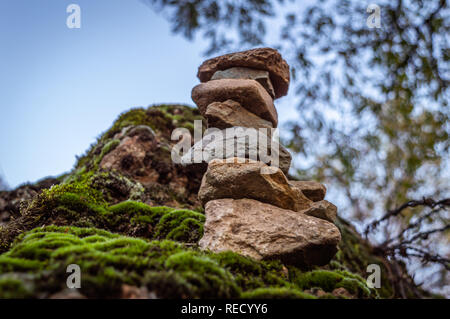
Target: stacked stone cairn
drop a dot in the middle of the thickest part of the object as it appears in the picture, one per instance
(250, 209)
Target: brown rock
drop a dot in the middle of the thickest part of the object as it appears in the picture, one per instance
(342, 293)
(250, 179)
(322, 209)
(145, 157)
(214, 146)
(133, 292)
(130, 155)
(261, 58)
(230, 113)
(313, 190)
(261, 76)
(264, 231)
(316, 292)
(248, 93)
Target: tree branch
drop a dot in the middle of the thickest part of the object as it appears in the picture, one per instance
(427, 202)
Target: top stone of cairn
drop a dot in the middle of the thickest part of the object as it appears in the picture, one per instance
(267, 59)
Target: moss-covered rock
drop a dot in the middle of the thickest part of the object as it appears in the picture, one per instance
(330, 280)
(355, 254)
(36, 264)
(138, 225)
(138, 147)
(85, 203)
(183, 225)
(162, 119)
(15, 286)
(276, 293)
(11, 201)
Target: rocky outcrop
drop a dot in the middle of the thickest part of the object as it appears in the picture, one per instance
(264, 231)
(138, 146)
(131, 153)
(154, 230)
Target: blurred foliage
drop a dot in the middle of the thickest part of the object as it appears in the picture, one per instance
(217, 20)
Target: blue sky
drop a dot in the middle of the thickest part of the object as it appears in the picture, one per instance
(60, 87)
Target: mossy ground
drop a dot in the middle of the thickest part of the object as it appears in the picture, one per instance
(131, 243)
(99, 221)
(36, 264)
(82, 204)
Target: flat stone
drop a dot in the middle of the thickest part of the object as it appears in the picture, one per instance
(322, 209)
(265, 232)
(261, 58)
(243, 178)
(230, 113)
(313, 190)
(261, 76)
(217, 145)
(248, 93)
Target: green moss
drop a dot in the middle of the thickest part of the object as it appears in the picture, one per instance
(189, 231)
(239, 264)
(8, 264)
(330, 280)
(114, 186)
(13, 287)
(276, 293)
(82, 203)
(78, 191)
(136, 208)
(355, 255)
(181, 224)
(107, 261)
(137, 213)
(110, 260)
(159, 121)
(108, 147)
(250, 274)
(204, 275)
(168, 268)
(168, 284)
